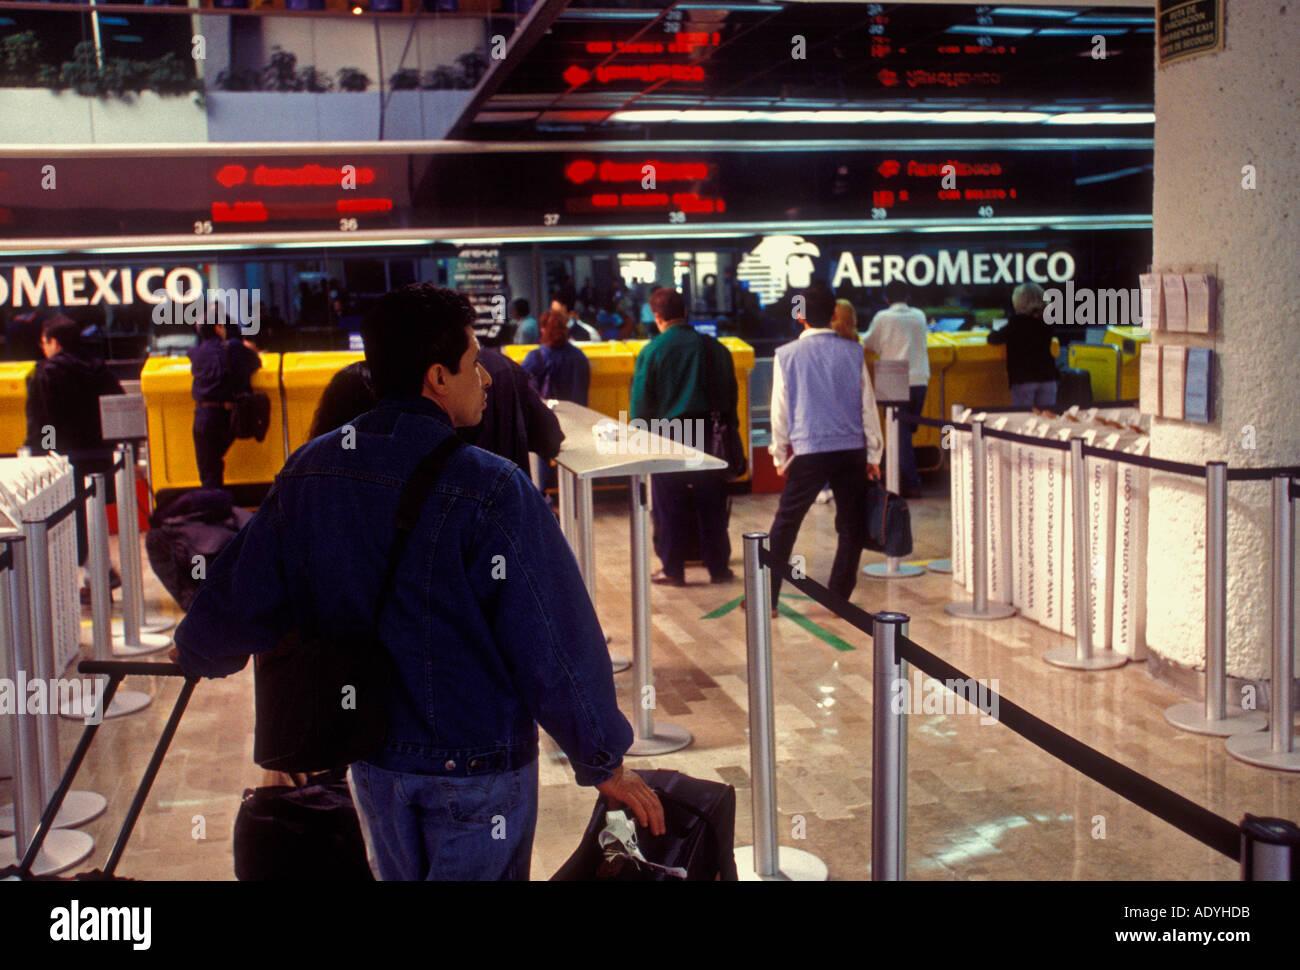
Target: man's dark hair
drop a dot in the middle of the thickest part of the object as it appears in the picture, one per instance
(896, 291)
(520, 307)
(819, 304)
(409, 330)
(348, 395)
(668, 303)
(65, 331)
(559, 297)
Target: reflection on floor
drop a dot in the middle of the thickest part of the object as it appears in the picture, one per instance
(982, 803)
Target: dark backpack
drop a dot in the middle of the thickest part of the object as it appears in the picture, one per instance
(199, 523)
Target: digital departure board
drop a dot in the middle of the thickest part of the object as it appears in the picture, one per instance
(560, 188)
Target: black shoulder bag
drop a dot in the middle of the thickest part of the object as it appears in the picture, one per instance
(250, 411)
(322, 700)
(723, 439)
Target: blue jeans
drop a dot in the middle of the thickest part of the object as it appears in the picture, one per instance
(435, 827)
(1034, 394)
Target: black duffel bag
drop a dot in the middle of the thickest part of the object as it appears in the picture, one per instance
(700, 821)
(888, 523)
(312, 833)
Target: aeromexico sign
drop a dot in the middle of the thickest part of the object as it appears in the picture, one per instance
(57, 286)
(954, 266)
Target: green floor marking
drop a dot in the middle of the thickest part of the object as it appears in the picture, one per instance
(820, 632)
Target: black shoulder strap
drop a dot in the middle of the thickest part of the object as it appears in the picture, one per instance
(414, 494)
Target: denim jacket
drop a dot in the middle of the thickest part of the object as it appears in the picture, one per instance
(489, 623)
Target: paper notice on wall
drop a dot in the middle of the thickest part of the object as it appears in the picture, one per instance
(1173, 381)
(1175, 303)
(1101, 537)
(1149, 380)
(1200, 302)
(1153, 301)
(1198, 400)
(1128, 619)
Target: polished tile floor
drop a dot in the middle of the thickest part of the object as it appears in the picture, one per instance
(982, 803)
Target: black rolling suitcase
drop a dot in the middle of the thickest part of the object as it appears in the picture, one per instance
(699, 843)
(116, 670)
(1073, 386)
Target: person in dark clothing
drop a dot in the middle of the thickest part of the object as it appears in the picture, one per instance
(23, 336)
(349, 394)
(63, 407)
(558, 369)
(516, 420)
(1031, 370)
(222, 369)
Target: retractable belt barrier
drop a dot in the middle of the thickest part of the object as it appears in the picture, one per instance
(1247, 843)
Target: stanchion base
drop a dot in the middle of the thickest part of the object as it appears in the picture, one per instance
(620, 662)
(992, 611)
(794, 865)
(1257, 749)
(150, 624)
(1069, 657)
(124, 702)
(60, 851)
(149, 643)
(1190, 716)
(881, 570)
(667, 737)
(939, 566)
(78, 808)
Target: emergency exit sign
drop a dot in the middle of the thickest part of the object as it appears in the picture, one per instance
(1186, 28)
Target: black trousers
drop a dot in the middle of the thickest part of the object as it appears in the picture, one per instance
(804, 477)
(212, 439)
(82, 469)
(674, 525)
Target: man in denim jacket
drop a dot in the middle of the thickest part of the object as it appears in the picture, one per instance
(488, 622)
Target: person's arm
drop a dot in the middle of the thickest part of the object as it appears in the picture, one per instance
(641, 401)
(584, 379)
(871, 420)
(997, 337)
(779, 449)
(38, 409)
(529, 588)
(541, 426)
(242, 606)
(872, 339)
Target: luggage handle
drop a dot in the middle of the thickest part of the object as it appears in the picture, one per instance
(116, 670)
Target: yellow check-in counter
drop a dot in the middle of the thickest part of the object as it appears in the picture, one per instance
(165, 383)
(13, 403)
(1113, 365)
(305, 378)
(611, 372)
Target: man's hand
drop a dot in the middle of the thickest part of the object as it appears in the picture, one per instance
(627, 788)
(873, 472)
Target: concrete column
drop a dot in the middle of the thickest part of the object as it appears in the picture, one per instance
(1216, 114)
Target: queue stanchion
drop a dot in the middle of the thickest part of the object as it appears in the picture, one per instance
(1215, 716)
(124, 701)
(1276, 748)
(980, 608)
(585, 525)
(766, 858)
(891, 568)
(63, 848)
(1082, 656)
(944, 565)
(130, 639)
(650, 738)
(888, 753)
(1270, 850)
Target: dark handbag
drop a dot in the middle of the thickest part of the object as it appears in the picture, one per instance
(722, 438)
(322, 699)
(700, 819)
(310, 833)
(889, 523)
(250, 415)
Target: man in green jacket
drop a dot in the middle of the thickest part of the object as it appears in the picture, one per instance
(684, 375)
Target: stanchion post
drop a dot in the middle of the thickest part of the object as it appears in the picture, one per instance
(1270, 850)
(38, 601)
(980, 608)
(16, 625)
(1215, 716)
(1276, 747)
(944, 565)
(888, 754)
(766, 859)
(134, 639)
